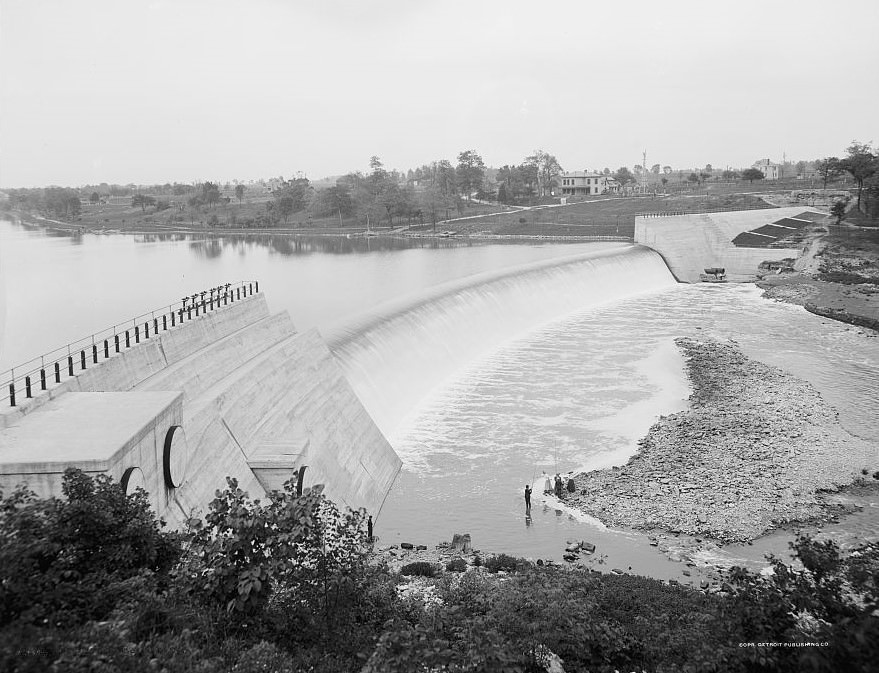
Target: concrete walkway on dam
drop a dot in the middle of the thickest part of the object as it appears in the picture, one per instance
(691, 243)
(235, 392)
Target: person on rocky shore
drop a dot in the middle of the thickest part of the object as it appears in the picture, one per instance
(527, 497)
(558, 486)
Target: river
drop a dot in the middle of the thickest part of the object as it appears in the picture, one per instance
(483, 363)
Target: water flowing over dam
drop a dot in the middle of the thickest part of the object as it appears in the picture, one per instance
(394, 356)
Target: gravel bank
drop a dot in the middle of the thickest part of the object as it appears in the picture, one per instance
(752, 453)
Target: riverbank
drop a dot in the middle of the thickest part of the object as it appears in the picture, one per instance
(756, 450)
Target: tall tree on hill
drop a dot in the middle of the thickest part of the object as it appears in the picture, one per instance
(829, 169)
(470, 172)
(210, 193)
(239, 193)
(861, 163)
(548, 169)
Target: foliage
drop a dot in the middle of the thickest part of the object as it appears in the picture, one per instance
(548, 169)
(828, 169)
(470, 172)
(623, 176)
(418, 569)
(65, 561)
(283, 585)
(838, 210)
(457, 565)
(504, 562)
(751, 174)
(861, 163)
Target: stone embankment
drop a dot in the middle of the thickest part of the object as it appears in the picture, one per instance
(753, 452)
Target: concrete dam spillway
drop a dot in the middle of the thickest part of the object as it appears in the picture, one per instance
(397, 354)
(236, 391)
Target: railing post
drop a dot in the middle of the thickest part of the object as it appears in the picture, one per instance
(82, 359)
(257, 286)
(27, 387)
(189, 313)
(250, 287)
(106, 348)
(11, 394)
(116, 339)
(155, 325)
(146, 330)
(127, 339)
(94, 354)
(70, 365)
(57, 372)
(238, 290)
(165, 321)
(42, 379)
(136, 334)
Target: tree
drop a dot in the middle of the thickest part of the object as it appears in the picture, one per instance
(655, 169)
(829, 169)
(623, 176)
(861, 163)
(694, 178)
(94, 198)
(548, 169)
(730, 175)
(838, 210)
(239, 192)
(210, 193)
(66, 561)
(751, 174)
(470, 172)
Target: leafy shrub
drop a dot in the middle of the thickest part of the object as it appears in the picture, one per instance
(418, 569)
(66, 561)
(457, 565)
(504, 562)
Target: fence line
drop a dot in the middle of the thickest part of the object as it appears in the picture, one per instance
(35, 374)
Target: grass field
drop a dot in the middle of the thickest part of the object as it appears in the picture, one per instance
(606, 216)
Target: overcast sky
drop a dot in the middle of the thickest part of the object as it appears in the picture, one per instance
(150, 92)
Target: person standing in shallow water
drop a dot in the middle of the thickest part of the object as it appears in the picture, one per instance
(527, 496)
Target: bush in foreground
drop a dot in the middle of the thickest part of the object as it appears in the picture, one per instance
(284, 585)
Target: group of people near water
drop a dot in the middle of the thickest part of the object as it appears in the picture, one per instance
(554, 487)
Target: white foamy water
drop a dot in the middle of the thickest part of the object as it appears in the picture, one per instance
(579, 392)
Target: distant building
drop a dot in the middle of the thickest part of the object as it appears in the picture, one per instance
(770, 170)
(583, 183)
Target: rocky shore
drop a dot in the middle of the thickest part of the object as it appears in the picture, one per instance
(754, 452)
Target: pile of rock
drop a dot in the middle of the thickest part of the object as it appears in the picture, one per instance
(574, 548)
(753, 452)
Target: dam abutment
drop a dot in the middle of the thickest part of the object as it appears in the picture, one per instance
(232, 391)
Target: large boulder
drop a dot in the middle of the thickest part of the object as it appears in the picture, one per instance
(461, 543)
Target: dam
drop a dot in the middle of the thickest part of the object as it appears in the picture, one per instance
(474, 399)
(220, 387)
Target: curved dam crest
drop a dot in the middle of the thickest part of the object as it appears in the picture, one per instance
(396, 355)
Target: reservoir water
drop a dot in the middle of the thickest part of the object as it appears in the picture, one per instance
(484, 364)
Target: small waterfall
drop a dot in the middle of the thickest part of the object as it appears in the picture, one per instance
(394, 356)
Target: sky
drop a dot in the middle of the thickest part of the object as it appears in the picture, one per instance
(162, 91)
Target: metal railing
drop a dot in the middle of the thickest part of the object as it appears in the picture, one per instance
(28, 379)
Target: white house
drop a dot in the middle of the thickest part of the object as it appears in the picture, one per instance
(770, 170)
(584, 183)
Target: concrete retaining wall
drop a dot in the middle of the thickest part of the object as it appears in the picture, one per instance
(691, 243)
(250, 389)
